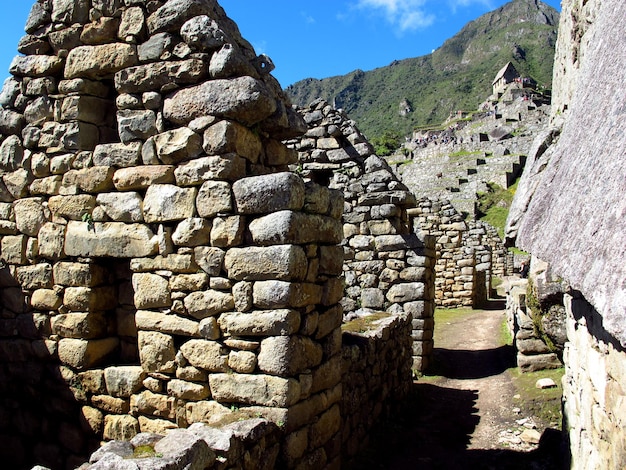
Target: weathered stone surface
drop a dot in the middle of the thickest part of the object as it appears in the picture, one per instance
(35, 66)
(262, 390)
(84, 354)
(287, 227)
(131, 179)
(45, 299)
(154, 404)
(230, 137)
(228, 167)
(287, 356)
(209, 412)
(227, 231)
(79, 325)
(187, 390)
(243, 362)
(97, 62)
(282, 262)
(230, 62)
(156, 75)
(214, 198)
(207, 355)
(166, 323)
(173, 262)
(178, 145)
(122, 207)
(30, 215)
(260, 323)
(151, 291)
(182, 449)
(78, 274)
(113, 239)
(243, 99)
(281, 294)
(84, 108)
(117, 155)
(95, 299)
(157, 352)
(72, 207)
(120, 427)
(192, 232)
(269, 193)
(210, 259)
(123, 381)
(208, 303)
(135, 125)
(166, 203)
(11, 153)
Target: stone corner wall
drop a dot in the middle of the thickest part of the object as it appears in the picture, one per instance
(377, 377)
(387, 265)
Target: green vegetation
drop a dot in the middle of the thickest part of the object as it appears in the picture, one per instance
(363, 324)
(386, 144)
(544, 404)
(457, 76)
(494, 205)
(536, 314)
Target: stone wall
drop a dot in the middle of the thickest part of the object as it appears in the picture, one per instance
(376, 375)
(594, 395)
(387, 266)
(469, 253)
(570, 214)
(159, 266)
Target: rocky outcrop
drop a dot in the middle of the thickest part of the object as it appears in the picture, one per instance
(572, 216)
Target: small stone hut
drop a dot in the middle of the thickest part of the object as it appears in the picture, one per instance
(159, 265)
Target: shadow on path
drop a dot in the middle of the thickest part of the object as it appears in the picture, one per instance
(434, 431)
(465, 364)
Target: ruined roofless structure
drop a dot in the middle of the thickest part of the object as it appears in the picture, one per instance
(159, 265)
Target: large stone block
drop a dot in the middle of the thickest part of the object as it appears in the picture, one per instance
(98, 62)
(287, 356)
(177, 145)
(157, 352)
(153, 404)
(151, 291)
(288, 227)
(120, 427)
(281, 262)
(156, 75)
(35, 66)
(79, 325)
(242, 99)
(123, 381)
(206, 355)
(142, 177)
(214, 198)
(269, 193)
(260, 323)
(261, 390)
(281, 294)
(167, 203)
(118, 155)
(111, 239)
(228, 167)
(122, 207)
(85, 354)
(167, 323)
(208, 303)
(79, 274)
(230, 137)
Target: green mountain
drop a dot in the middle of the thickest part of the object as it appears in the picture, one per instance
(457, 76)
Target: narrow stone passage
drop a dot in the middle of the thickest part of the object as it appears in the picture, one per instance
(462, 414)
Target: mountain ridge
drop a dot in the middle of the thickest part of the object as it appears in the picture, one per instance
(458, 75)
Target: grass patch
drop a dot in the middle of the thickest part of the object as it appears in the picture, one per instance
(544, 404)
(444, 316)
(506, 338)
(363, 324)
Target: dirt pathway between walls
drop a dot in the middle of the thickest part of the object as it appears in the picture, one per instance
(465, 413)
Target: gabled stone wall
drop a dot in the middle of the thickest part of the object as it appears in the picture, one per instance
(387, 265)
(159, 266)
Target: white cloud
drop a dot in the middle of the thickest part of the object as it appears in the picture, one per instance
(407, 15)
(455, 4)
(308, 19)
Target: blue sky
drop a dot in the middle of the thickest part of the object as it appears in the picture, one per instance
(320, 38)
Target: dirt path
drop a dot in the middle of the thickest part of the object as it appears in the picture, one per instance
(463, 415)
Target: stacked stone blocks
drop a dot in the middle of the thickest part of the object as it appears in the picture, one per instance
(387, 267)
(155, 252)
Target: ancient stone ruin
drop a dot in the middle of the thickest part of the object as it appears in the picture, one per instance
(159, 265)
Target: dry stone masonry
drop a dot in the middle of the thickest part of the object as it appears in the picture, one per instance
(570, 213)
(159, 265)
(387, 266)
(469, 253)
